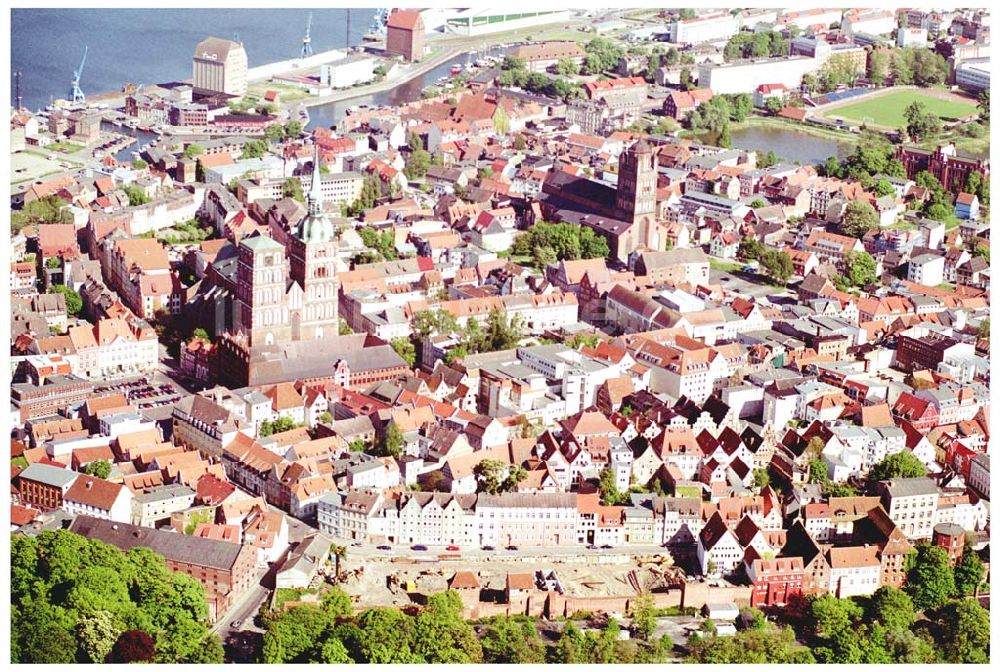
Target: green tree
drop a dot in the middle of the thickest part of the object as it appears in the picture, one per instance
(139, 164)
(392, 444)
(969, 573)
(74, 303)
(884, 188)
(758, 203)
(404, 347)
(860, 217)
(418, 164)
(750, 249)
(643, 615)
(761, 478)
(931, 580)
(818, 471)
(442, 635)
(326, 417)
(292, 188)
(920, 123)
(609, 489)
(878, 66)
(193, 150)
(569, 648)
(967, 628)
(97, 634)
(777, 264)
(566, 66)
(254, 149)
(984, 329)
(860, 268)
(903, 464)
(512, 639)
(98, 469)
(293, 129)
(893, 608)
(775, 104)
(984, 105)
(136, 196)
(832, 615)
(386, 636)
(47, 210)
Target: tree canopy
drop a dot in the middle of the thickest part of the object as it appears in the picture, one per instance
(76, 600)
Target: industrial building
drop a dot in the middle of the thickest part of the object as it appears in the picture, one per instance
(484, 21)
(405, 34)
(347, 72)
(710, 28)
(746, 76)
(973, 75)
(220, 66)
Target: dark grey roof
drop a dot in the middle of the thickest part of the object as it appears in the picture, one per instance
(171, 545)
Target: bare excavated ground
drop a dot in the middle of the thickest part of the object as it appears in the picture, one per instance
(374, 583)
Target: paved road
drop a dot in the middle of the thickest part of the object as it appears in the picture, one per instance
(247, 606)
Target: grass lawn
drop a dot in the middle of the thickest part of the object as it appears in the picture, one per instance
(67, 147)
(19, 462)
(289, 94)
(888, 110)
(725, 266)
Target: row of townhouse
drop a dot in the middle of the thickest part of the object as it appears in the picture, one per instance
(533, 519)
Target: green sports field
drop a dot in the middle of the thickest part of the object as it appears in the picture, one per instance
(888, 110)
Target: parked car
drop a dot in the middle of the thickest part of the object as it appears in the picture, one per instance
(451, 548)
(606, 546)
(512, 548)
(591, 547)
(236, 624)
(384, 548)
(418, 547)
(489, 548)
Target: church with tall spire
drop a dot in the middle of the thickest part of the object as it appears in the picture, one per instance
(290, 293)
(313, 265)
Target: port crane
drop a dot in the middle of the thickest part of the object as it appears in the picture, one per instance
(307, 49)
(75, 92)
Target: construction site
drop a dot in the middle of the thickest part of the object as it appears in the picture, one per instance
(534, 586)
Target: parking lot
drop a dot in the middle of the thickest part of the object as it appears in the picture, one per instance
(143, 393)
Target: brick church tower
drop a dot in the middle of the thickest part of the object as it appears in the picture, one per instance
(636, 195)
(313, 254)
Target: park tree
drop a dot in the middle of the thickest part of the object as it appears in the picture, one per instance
(133, 646)
(566, 66)
(97, 634)
(878, 66)
(920, 122)
(930, 580)
(775, 104)
(983, 103)
(441, 635)
(512, 639)
(892, 607)
(860, 217)
(569, 649)
(969, 572)
(967, 628)
(386, 636)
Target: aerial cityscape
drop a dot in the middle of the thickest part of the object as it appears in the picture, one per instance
(465, 336)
